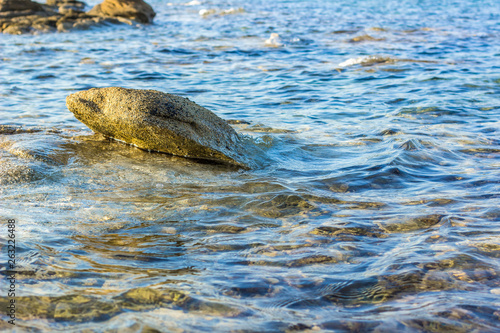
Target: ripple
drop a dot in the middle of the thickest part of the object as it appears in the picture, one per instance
(412, 224)
(374, 205)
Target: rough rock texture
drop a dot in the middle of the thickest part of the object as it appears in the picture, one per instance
(136, 10)
(19, 16)
(68, 6)
(19, 5)
(157, 121)
(26, 16)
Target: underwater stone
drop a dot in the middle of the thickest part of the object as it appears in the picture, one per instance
(157, 121)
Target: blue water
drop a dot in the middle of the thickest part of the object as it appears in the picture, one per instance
(376, 208)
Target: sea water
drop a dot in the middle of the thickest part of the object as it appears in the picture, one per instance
(375, 209)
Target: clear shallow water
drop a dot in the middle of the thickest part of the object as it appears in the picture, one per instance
(376, 208)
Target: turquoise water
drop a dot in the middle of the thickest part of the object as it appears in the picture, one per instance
(376, 207)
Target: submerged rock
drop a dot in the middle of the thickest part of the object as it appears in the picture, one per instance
(158, 121)
(136, 10)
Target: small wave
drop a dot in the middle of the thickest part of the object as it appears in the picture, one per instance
(367, 61)
(12, 171)
(230, 11)
(29, 154)
(365, 38)
(377, 59)
(416, 223)
(274, 40)
(207, 12)
(190, 3)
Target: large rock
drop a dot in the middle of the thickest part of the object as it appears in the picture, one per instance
(19, 5)
(136, 10)
(17, 16)
(67, 7)
(157, 121)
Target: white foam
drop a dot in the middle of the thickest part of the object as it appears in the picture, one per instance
(364, 60)
(206, 12)
(192, 3)
(274, 40)
(230, 11)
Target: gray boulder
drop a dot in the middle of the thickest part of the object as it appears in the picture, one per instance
(157, 121)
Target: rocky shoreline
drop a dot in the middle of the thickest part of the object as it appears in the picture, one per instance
(26, 16)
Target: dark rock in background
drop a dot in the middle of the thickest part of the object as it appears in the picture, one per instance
(26, 16)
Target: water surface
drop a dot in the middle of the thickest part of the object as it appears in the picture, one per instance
(376, 207)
